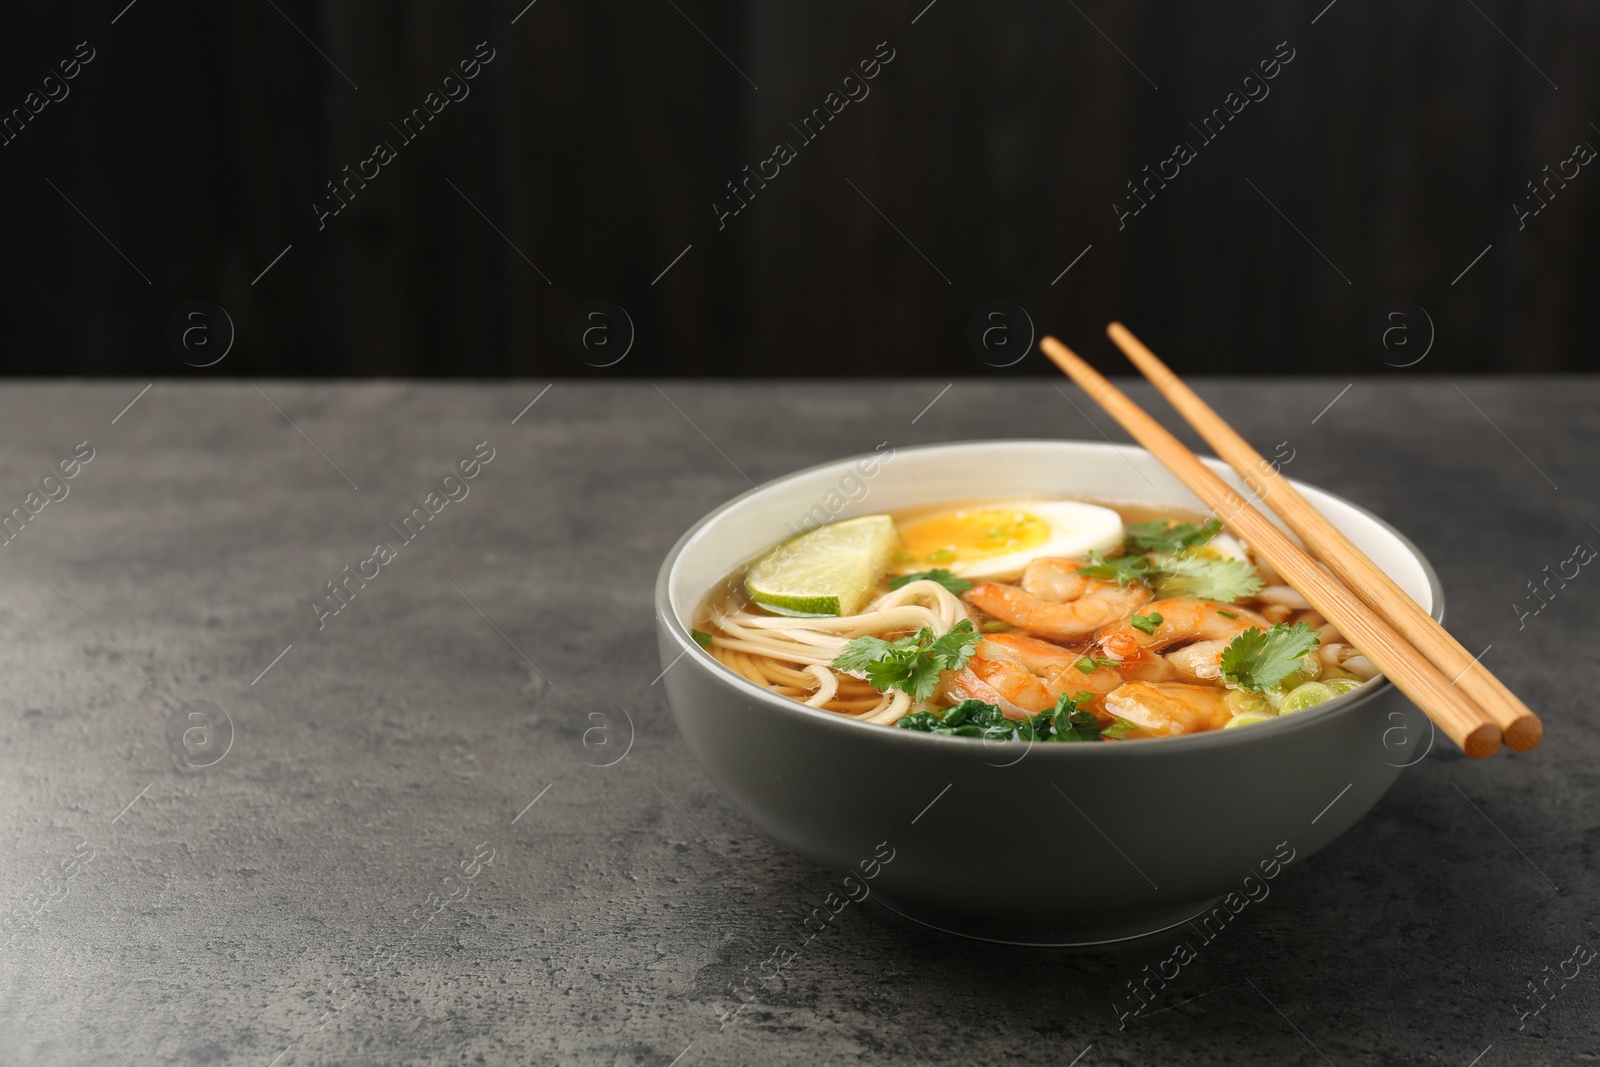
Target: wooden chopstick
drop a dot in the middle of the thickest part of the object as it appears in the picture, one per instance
(1521, 727)
(1460, 719)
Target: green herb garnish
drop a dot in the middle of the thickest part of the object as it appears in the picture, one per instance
(1070, 724)
(942, 555)
(1188, 575)
(1147, 623)
(1228, 614)
(945, 578)
(1259, 659)
(702, 637)
(1087, 664)
(924, 721)
(1125, 569)
(1118, 730)
(912, 663)
(1164, 535)
(973, 718)
(1205, 578)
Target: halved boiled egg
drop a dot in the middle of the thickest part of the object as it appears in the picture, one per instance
(995, 541)
(1223, 546)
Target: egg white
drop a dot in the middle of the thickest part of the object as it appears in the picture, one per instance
(1227, 547)
(1076, 529)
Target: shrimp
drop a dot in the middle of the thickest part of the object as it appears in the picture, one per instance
(1184, 620)
(1023, 676)
(1150, 667)
(1057, 602)
(1163, 709)
(1199, 662)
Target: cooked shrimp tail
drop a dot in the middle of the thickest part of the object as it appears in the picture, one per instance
(1023, 676)
(1164, 708)
(1177, 621)
(1057, 602)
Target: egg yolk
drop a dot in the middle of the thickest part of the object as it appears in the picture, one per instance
(965, 536)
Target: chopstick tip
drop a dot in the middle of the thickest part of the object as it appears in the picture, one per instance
(1524, 734)
(1054, 349)
(1482, 742)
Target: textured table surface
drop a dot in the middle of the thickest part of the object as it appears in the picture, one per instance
(417, 846)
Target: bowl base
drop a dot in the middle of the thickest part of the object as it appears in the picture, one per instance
(1029, 932)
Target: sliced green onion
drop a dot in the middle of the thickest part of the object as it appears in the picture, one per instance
(1304, 696)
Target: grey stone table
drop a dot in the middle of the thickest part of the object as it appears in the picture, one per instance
(454, 823)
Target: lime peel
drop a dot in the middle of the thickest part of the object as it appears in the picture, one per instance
(832, 570)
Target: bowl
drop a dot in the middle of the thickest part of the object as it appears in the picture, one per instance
(1038, 844)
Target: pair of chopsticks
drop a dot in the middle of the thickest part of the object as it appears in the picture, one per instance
(1460, 695)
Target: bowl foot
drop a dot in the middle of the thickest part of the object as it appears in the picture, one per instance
(1029, 931)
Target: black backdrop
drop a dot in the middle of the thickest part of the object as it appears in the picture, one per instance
(583, 162)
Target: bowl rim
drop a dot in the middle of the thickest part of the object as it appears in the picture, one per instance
(1345, 703)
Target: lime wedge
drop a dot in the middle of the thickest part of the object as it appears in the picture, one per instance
(831, 570)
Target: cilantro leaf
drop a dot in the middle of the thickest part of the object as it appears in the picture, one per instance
(912, 663)
(863, 652)
(1206, 578)
(1259, 659)
(1147, 623)
(1125, 569)
(955, 646)
(1164, 535)
(921, 678)
(1173, 575)
(938, 574)
(701, 637)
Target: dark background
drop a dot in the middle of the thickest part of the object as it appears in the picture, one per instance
(596, 141)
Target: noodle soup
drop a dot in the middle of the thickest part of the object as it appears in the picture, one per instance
(1044, 620)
